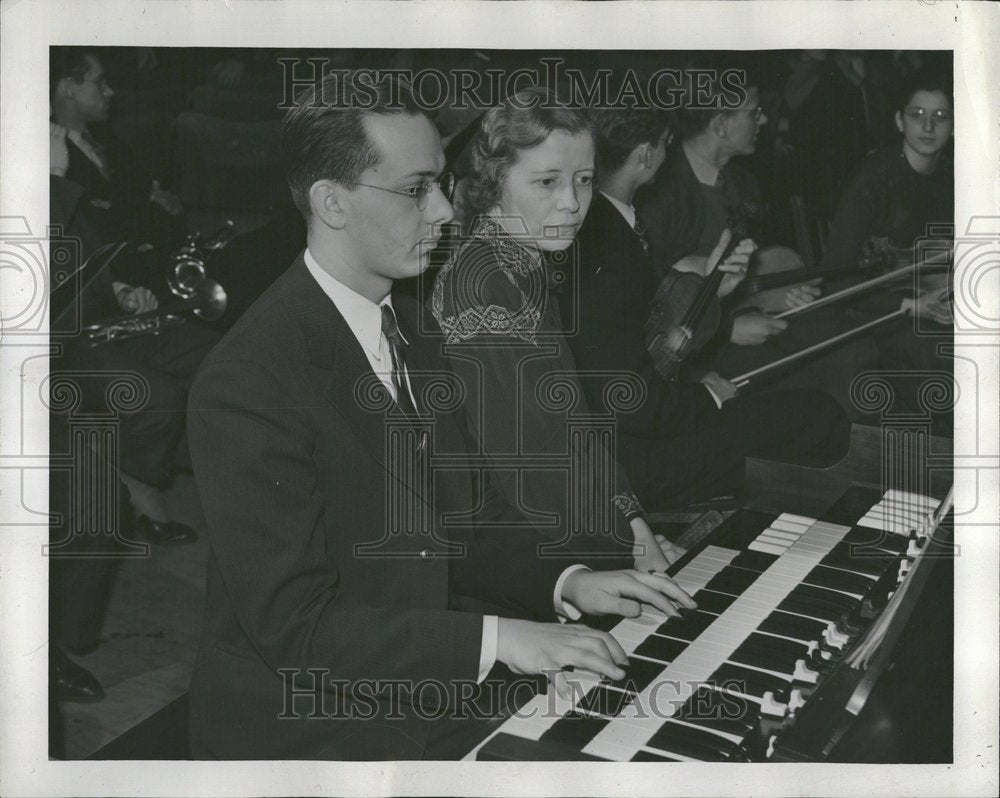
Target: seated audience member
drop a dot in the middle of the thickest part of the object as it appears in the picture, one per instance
(900, 199)
(332, 568)
(682, 442)
(148, 439)
(126, 202)
(699, 193)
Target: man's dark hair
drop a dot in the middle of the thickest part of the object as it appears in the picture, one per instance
(924, 80)
(323, 135)
(710, 87)
(68, 62)
(620, 131)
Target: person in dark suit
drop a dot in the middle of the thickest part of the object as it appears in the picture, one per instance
(685, 441)
(337, 543)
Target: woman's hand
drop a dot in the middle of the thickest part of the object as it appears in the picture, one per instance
(933, 305)
(652, 552)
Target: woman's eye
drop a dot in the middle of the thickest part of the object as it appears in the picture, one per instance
(547, 182)
(585, 180)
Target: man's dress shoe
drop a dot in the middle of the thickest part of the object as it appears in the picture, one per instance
(72, 682)
(163, 533)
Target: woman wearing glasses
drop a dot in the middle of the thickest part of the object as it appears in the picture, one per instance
(530, 188)
(901, 189)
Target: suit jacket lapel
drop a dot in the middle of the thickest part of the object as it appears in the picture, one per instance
(351, 387)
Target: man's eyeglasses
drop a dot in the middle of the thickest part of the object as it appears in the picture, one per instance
(420, 193)
(102, 82)
(917, 114)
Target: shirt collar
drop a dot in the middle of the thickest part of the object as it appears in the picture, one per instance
(362, 315)
(628, 211)
(707, 174)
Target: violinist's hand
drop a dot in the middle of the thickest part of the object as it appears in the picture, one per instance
(652, 552)
(720, 386)
(623, 593)
(751, 329)
(802, 295)
(933, 305)
(735, 265)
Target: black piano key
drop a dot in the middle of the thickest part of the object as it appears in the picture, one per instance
(687, 627)
(604, 701)
(649, 756)
(773, 653)
(864, 537)
(817, 602)
(852, 505)
(751, 682)
(662, 648)
(639, 674)
(695, 743)
(720, 711)
(710, 601)
(795, 626)
(574, 729)
(754, 560)
(732, 580)
(740, 529)
(871, 562)
(832, 578)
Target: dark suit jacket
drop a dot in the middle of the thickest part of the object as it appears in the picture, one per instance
(288, 431)
(673, 212)
(121, 204)
(612, 284)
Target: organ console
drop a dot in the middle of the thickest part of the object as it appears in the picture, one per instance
(797, 618)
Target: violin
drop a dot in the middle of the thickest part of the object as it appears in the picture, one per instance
(685, 313)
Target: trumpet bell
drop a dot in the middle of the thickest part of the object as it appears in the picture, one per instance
(210, 298)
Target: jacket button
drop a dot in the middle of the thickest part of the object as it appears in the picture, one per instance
(426, 554)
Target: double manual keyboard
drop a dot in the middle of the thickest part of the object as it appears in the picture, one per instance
(781, 598)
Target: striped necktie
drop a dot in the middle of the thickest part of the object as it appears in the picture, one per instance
(396, 345)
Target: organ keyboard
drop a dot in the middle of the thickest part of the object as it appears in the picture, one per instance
(782, 601)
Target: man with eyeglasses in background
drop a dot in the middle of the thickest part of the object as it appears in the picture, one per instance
(338, 547)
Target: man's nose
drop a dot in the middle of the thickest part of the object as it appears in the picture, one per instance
(439, 208)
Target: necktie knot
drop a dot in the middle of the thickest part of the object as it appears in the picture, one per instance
(390, 329)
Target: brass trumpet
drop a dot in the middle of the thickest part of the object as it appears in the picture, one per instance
(206, 299)
(186, 279)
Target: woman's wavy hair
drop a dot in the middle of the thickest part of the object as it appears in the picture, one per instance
(523, 120)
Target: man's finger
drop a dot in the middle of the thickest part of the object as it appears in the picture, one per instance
(664, 584)
(638, 589)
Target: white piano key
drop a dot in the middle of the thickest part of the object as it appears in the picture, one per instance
(625, 735)
(767, 548)
(779, 534)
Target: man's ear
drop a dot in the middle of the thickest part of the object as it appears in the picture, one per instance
(324, 200)
(718, 125)
(643, 153)
(64, 88)
(899, 121)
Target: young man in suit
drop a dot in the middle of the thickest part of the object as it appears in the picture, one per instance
(124, 198)
(337, 546)
(685, 441)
